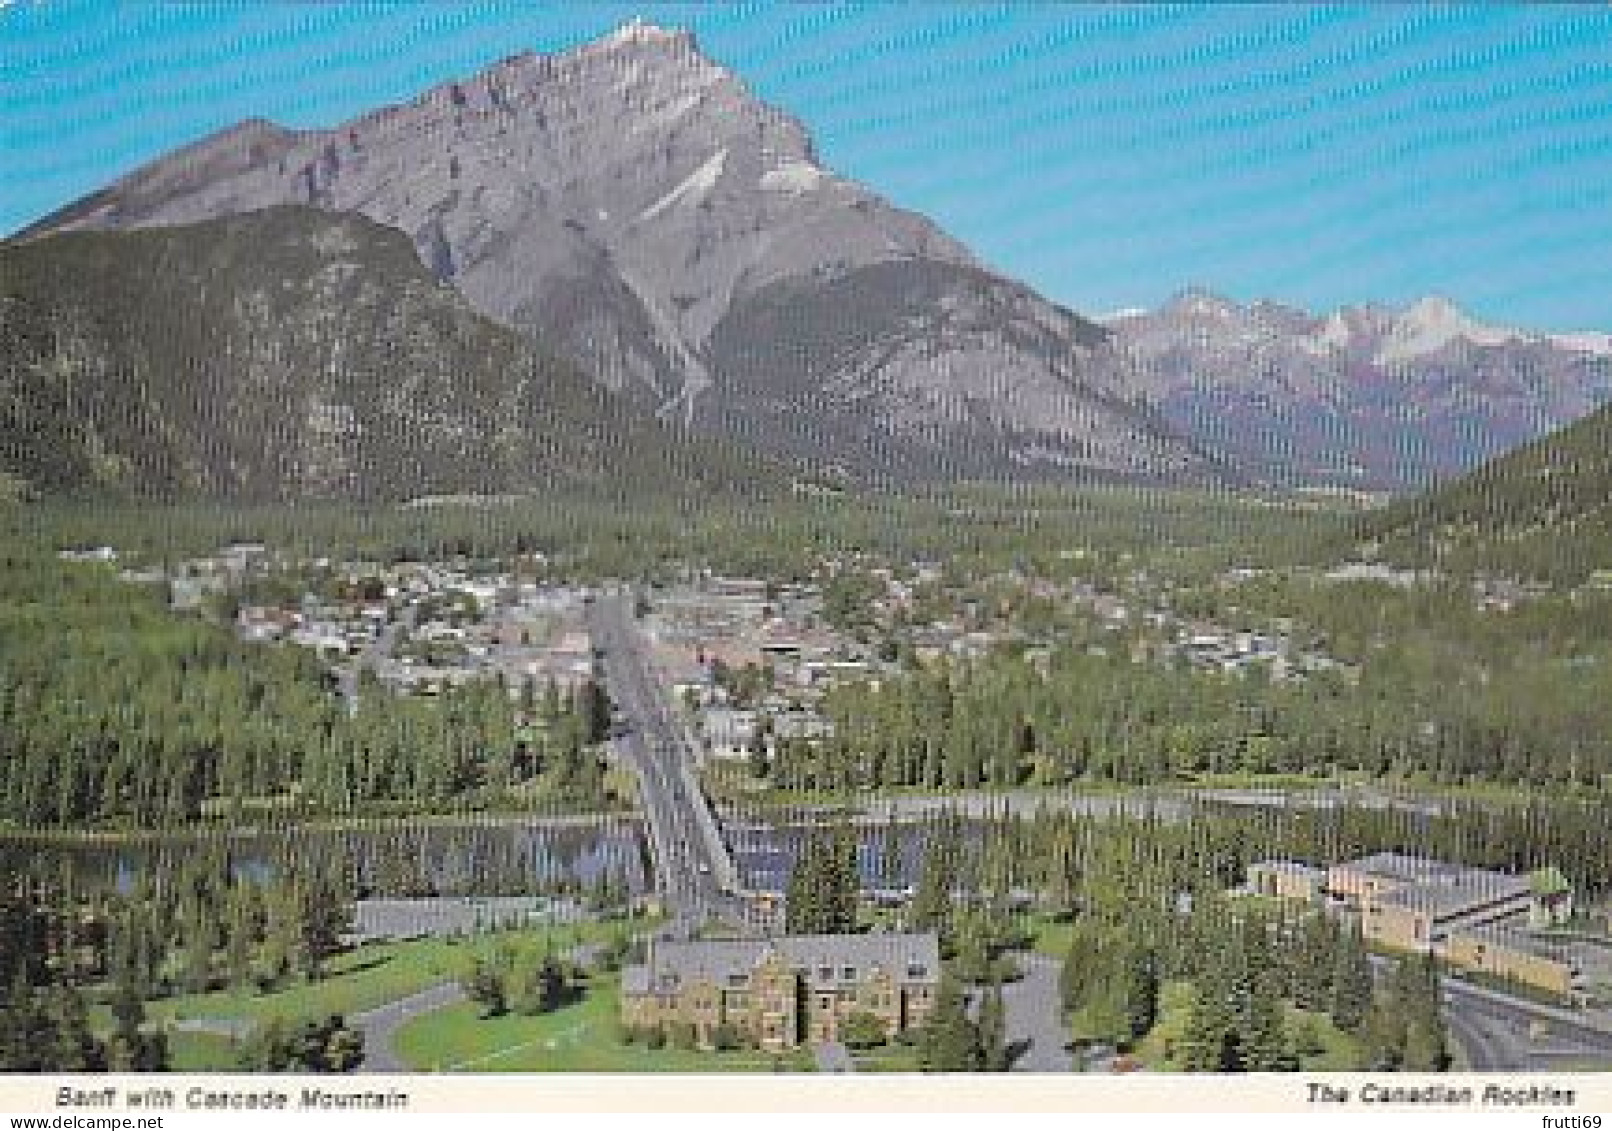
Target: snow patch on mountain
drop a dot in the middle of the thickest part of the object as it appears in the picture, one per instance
(697, 183)
(1334, 335)
(792, 176)
(1122, 314)
(1586, 341)
(1433, 323)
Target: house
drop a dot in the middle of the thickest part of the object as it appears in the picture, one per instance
(1286, 879)
(1552, 898)
(804, 726)
(97, 554)
(783, 992)
(740, 588)
(728, 733)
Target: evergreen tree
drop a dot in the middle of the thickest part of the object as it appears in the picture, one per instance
(822, 892)
(75, 1048)
(484, 984)
(948, 1041)
(1210, 1043)
(1315, 962)
(994, 1051)
(1351, 982)
(931, 908)
(1141, 991)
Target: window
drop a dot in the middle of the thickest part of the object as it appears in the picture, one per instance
(825, 973)
(848, 973)
(916, 970)
(737, 979)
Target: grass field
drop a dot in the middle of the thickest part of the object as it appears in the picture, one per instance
(1337, 1051)
(889, 1058)
(369, 976)
(578, 1038)
(200, 1052)
(1050, 936)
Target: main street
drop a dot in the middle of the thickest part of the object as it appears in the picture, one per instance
(693, 871)
(378, 652)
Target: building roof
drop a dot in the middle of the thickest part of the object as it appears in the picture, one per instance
(1437, 888)
(1549, 881)
(635, 980)
(1398, 866)
(1290, 867)
(674, 965)
(1461, 890)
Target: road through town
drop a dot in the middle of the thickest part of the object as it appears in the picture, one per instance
(693, 870)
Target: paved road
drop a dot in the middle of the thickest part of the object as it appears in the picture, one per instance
(460, 915)
(379, 650)
(1493, 1030)
(1164, 803)
(831, 1056)
(380, 1025)
(1033, 1010)
(694, 872)
(236, 1029)
(879, 811)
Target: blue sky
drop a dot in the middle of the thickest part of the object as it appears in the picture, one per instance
(1107, 155)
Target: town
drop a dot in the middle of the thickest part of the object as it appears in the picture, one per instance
(734, 701)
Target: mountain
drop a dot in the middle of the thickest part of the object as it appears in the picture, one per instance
(1544, 510)
(1365, 396)
(633, 204)
(287, 354)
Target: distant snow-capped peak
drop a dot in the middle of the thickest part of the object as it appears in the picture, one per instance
(1430, 324)
(1390, 336)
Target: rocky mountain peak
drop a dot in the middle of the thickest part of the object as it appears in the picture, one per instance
(1370, 394)
(1200, 302)
(631, 202)
(1432, 323)
(638, 33)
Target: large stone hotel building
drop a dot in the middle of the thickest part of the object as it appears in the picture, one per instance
(783, 992)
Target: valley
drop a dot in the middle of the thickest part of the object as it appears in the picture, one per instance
(1065, 693)
(634, 551)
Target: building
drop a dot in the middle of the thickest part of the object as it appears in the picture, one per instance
(1487, 922)
(728, 732)
(1477, 920)
(1553, 898)
(1286, 879)
(783, 992)
(1505, 952)
(1414, 903)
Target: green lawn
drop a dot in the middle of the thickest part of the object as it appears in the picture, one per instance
(578, 1038)
(201, 1052)
(1050, 936)
(369, 976)
(1338, 1051)
(888, 1058)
